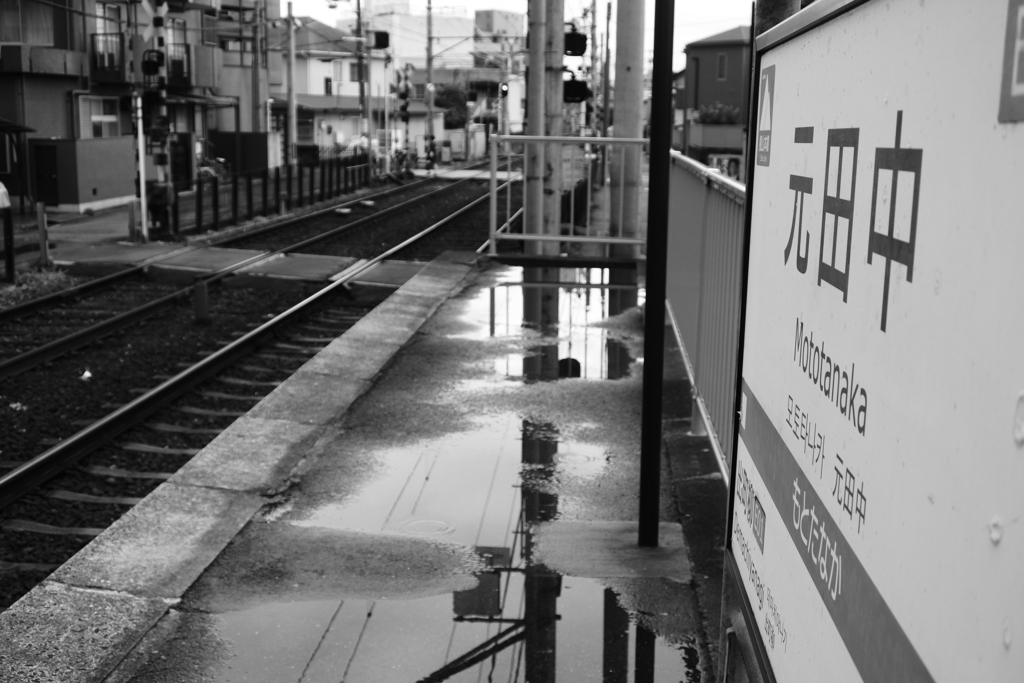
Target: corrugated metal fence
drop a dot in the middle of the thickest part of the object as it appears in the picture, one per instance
(705, 261)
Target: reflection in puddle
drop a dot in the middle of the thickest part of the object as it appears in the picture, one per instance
(486, 488)
(562, 311)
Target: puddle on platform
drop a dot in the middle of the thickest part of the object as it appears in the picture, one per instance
(575, 322)
(375, 585)
(515, 626)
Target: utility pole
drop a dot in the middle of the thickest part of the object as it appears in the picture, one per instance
(257, 98)
(605, 98)
(430, 74)
(535, 125)
(161, 123)
(293, 127)
(629, 96)
(364, 125)
(595, 63)
(554, 58)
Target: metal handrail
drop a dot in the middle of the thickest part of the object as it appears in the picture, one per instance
(727, 185)
(568, 139)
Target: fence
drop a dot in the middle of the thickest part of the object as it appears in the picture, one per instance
(705, 257)
(214, 202)
(587, 163)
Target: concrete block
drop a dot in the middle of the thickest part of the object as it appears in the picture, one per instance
(254, 454)
(348, 357)
(162, 544)
(63, 634)
(309, 398)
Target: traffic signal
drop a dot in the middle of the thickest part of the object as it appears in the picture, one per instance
(504, 89)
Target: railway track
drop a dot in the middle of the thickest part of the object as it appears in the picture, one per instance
(93, 430)
(67, 320)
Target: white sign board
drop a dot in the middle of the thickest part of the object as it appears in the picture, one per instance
(879, 503)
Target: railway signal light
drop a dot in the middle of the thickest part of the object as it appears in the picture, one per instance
(504, 89)
(575, 43)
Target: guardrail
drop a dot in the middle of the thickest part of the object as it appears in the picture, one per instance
(586, 165)
(705, 257)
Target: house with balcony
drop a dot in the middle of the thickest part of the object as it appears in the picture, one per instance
(716, 91)
(69, 70)
(327, 77)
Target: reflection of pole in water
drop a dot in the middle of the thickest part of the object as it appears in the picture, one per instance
(542, 586)
(540, 312)
(620, 301)
(644, 654)
(615, 654)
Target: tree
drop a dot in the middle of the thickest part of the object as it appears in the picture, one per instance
(452, 98)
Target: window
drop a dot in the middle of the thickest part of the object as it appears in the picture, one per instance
(108, 18)
(723, 62)
(99, 117)
(354, 72)
(327, 85)
(419, 91)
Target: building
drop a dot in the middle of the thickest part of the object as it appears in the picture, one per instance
(717, 88)
(327, 79)
(70, 71)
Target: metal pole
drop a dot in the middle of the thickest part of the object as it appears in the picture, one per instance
(9, 264)
(256, 98)
(44, 243)
(533, 198)
(606, 106)
(144, 219)
(430, 74)
(361, 61)
(657, 245)
(293, 127)
(494, 195)
(554, 58)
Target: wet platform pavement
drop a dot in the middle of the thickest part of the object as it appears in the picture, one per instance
(447, 492)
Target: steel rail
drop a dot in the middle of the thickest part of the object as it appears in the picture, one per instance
(59, 347)
(39, 303)
(23, 479)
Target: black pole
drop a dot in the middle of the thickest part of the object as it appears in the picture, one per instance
(215, 203)
(266, 181)
(234, 198)
(248, 195)
(9, 265)
(175, 211)
(298, 170)
(199, 205)
(288, 184)
(277, 189)
(657, 244)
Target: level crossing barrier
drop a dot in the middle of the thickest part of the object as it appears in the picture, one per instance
(588, 164)
(704, 289)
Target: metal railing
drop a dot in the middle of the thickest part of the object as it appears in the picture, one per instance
(589, 212)
(107, 52)
(705, 258)
(179, 63)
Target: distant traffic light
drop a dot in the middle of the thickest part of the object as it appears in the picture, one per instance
(504, 89)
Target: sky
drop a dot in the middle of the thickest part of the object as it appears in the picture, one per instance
(695, 19)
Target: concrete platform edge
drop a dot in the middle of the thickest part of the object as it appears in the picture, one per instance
(47, 638)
